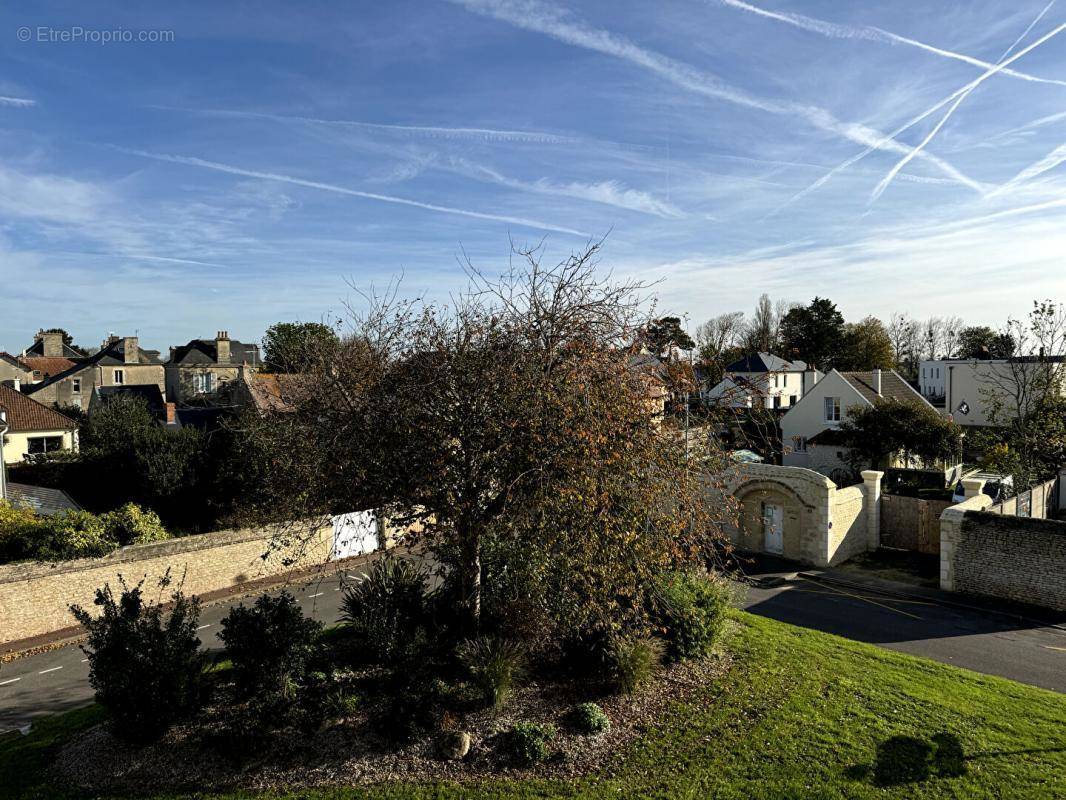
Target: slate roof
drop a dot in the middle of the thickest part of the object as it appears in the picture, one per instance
(37, 349)
(41, 499)
(201, 352)
(14, 361)
(24, 414)
(893, 387)
(765, 362)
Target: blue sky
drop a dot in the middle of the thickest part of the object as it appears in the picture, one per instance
(894, 156)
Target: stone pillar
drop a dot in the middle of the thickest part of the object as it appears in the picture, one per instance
(871, 479)
(972, 486)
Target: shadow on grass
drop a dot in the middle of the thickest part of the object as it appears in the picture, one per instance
(907, 759)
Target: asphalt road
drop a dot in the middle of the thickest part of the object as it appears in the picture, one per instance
(985, 641)
(996, 644)
(57, 680)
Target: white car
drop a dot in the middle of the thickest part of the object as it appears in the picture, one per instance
(998, 487)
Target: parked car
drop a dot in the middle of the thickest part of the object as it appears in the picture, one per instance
(998, 487)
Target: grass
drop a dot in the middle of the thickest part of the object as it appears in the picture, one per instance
(801, 714)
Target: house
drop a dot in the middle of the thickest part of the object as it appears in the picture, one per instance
(202, 367)
(33, 428)
(762, 380)
(14, 371)
(120, 361)
(810, 429)
(964, 390)
(50, 344)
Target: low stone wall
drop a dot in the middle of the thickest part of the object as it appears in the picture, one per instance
(35, 597)
(1015, 558)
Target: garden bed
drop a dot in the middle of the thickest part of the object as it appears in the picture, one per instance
(350, 751)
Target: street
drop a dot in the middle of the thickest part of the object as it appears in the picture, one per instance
(996, 644)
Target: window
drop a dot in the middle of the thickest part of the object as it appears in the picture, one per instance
(75, 385)
(203, 382)
(799, 444)
(792, 399)
(832, 409)
(36, 445)
(119, 377)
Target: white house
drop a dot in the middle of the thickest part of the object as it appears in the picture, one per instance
(762, 380)
(969, 387)
(809, 430)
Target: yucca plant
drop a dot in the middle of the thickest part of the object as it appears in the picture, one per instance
(495, 665)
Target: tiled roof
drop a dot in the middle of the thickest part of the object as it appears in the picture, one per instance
(274, 392)
(893, 387)
(47, 365)
(765, 362)
(26, 414)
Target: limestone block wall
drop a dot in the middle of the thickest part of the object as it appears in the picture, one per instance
(847, 534)
(35, 597)
(1015, 558)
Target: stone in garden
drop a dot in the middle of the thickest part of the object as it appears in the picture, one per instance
(454, 745)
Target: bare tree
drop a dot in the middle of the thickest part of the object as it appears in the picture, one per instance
(719, 334)
(953, 328)
(932, 338)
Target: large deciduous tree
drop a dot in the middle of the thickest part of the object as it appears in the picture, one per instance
(814, 333)
(980, 342)
(512, 427)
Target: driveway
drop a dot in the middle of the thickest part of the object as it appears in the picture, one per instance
(982, 639)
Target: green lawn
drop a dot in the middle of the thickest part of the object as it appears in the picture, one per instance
(801, 714)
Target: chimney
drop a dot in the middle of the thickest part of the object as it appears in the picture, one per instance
(171, 413)
(877, 381)
(51, 344)
(222, 355)
(130, 349)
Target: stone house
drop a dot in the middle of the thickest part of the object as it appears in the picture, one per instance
(33, 428)
(201, 368)
(14, 371)
(120, 361)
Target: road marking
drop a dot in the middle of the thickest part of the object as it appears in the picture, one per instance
(869, 600)
(84, 660)
(208, 625)
(51, 669)
(1045, 646)
(9, 680)
(315, 595)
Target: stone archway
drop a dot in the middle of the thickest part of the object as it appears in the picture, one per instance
(799, 538)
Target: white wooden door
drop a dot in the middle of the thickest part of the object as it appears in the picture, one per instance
(355, 534)
(772, 519)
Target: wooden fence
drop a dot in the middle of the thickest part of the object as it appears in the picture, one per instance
(910, 523)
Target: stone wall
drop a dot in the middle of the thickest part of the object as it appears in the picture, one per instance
(821, 525)
(35, 597)
(1015, 558)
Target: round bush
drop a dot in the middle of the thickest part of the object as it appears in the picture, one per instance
(589, 718)
(691, 610)
(528, 742)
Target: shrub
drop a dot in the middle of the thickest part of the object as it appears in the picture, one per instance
(589, 718)
(73, 534)
(320, 697)
(495, 665)
(632, 662)
(528, 742)
(270, 644)
(388, 607)
(132, 524)
(691, 609)
(145, 666)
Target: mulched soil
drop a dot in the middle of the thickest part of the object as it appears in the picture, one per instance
(350, 752)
